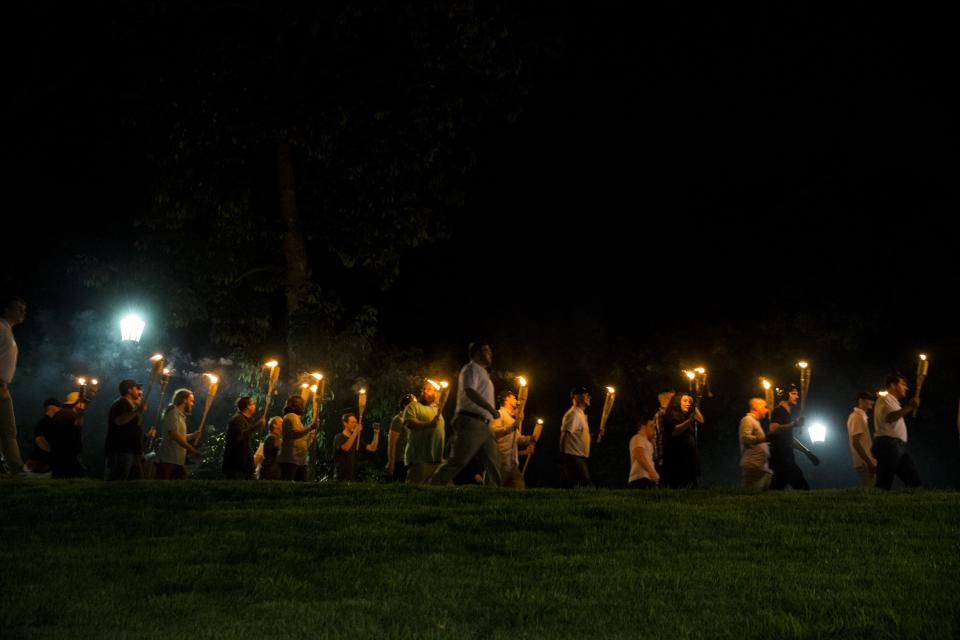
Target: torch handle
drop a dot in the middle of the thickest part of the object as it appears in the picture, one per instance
(920, 380)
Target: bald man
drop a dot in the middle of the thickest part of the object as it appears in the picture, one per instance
(755, 471)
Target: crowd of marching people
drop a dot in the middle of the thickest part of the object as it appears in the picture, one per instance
(486, 445)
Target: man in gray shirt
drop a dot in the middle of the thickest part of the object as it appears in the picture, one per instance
(172, 457)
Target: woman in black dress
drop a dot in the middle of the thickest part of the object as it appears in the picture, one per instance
(681, 457)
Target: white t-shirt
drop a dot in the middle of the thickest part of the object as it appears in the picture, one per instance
(637, 472)
(475, 377)
(886, 405)
(857, 423)
(577, 442)
(8, 352)
(507, 445)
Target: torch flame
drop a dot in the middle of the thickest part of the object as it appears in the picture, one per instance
(81, 381)
(271, 363)
(803, 364)
(923, 356)
(313, 388)
(362, 391)
(317, 376)
(765, 383)
(611, 390)
(156, 356)
(700, 370)
(882, 394)
(213, 379)
(434, 385)
(522, 381)
(539, 420)
(690, 374)
(304, 385)
(166, 371)
(94, 382)
(444, 384)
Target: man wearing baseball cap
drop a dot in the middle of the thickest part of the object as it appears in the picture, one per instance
(124, 444)
(66, 442)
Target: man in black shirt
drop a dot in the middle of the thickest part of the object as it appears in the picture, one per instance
(66, 441)
(237, 455)
(347, 443)
(782, 443)
(40, 456)
(124, 444)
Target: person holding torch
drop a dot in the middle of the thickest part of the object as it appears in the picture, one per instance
(426, 434)
(237, 454)
(124, 444)
(510, 441)
(172, 457)
(475, 409)
(890, 435)
(783, 442)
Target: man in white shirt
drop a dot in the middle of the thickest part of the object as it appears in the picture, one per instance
(890, 435)
(858, 436)
(755, 470)
(643, 473)
(471, 423)
(509, 442)
(575, 440)
(13, 313)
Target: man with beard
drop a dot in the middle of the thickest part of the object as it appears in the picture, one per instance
(425, 436)
(176, 441)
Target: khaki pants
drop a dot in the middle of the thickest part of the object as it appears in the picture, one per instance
(420, 473)
(754, 478)
(867, 480)
(8, 433)
(512, 478)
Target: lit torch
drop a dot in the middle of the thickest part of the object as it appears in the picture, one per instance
(211, 393)
(521, 402)
(156, 367)
(767, 393)
(804, 383)
(607, 408)
(444, 394)
(304, 392)
(922, 366)
(273, 365)
(361, 404)
(537, 430)
(317, 390)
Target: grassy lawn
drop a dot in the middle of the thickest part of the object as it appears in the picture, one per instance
(228, 560)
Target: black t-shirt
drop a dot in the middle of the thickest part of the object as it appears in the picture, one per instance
(124, 438)
(345, 461)
(237, 457)
(781, 440)
(43, 429)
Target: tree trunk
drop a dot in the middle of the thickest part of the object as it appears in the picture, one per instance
(295, 252)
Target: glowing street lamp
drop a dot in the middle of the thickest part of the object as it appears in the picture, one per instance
(818, 432)
(131, 328)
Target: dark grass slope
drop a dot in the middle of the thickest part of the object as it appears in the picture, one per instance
(219, 560)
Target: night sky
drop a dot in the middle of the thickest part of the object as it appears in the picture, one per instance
(677, 187)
